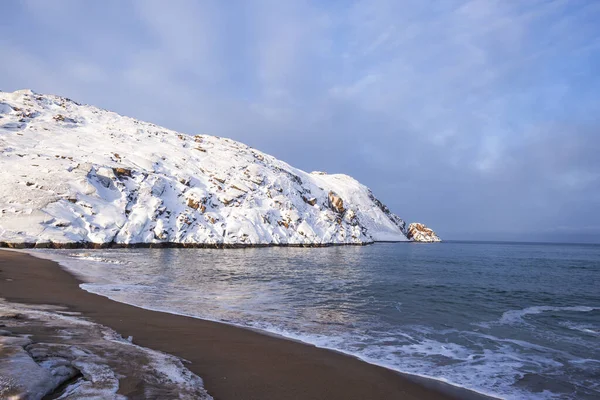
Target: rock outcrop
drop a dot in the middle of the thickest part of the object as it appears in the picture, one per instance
(420, 233)
(336, 203)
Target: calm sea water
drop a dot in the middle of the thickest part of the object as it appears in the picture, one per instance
(510, 320)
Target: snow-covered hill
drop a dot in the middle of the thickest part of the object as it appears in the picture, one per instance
(77, 174)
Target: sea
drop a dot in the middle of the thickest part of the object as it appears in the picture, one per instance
(509, 320)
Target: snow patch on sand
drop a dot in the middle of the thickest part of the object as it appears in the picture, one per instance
(89, 357)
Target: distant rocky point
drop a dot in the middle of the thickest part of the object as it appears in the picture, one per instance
(74, 175)
(420, 233)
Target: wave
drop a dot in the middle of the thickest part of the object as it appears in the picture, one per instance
(89, 257)
(468, 370)
(373, 354)
(582, 328)
(516, 316)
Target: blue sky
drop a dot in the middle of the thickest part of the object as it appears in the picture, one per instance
(478, 118)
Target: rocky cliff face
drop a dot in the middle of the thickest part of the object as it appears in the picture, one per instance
(420, 233)
(74, 174)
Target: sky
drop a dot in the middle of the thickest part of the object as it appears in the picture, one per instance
(479, 118)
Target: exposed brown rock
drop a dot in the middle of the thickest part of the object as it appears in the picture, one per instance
(193, 204)
(420, 233)
(120, 172)
(184, 181)
(312, 201)
(336, 203)
(237, 188)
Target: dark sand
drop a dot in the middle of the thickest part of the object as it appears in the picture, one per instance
(235, 363)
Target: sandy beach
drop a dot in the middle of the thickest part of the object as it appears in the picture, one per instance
(235, 363)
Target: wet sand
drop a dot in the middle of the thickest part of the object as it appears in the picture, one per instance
(235, 363)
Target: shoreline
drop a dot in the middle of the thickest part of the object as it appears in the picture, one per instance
(254, 365)
(168, 245)
(180, 245)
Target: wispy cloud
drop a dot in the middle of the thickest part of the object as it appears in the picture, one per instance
(466, 114)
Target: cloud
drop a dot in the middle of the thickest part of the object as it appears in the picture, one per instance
(472, 116)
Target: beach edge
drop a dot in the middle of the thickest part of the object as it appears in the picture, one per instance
(254, 364)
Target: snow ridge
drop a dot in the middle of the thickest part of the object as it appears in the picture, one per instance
(79, 175)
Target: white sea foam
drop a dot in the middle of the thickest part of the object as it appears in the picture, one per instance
(484, 373)
(89, 257)
(404, 359)
(582, 328)
(516, 316)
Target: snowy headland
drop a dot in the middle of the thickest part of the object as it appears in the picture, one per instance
(75, 175)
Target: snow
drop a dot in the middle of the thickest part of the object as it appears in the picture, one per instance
(72, 173)
(20, 373)
(61, 348)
